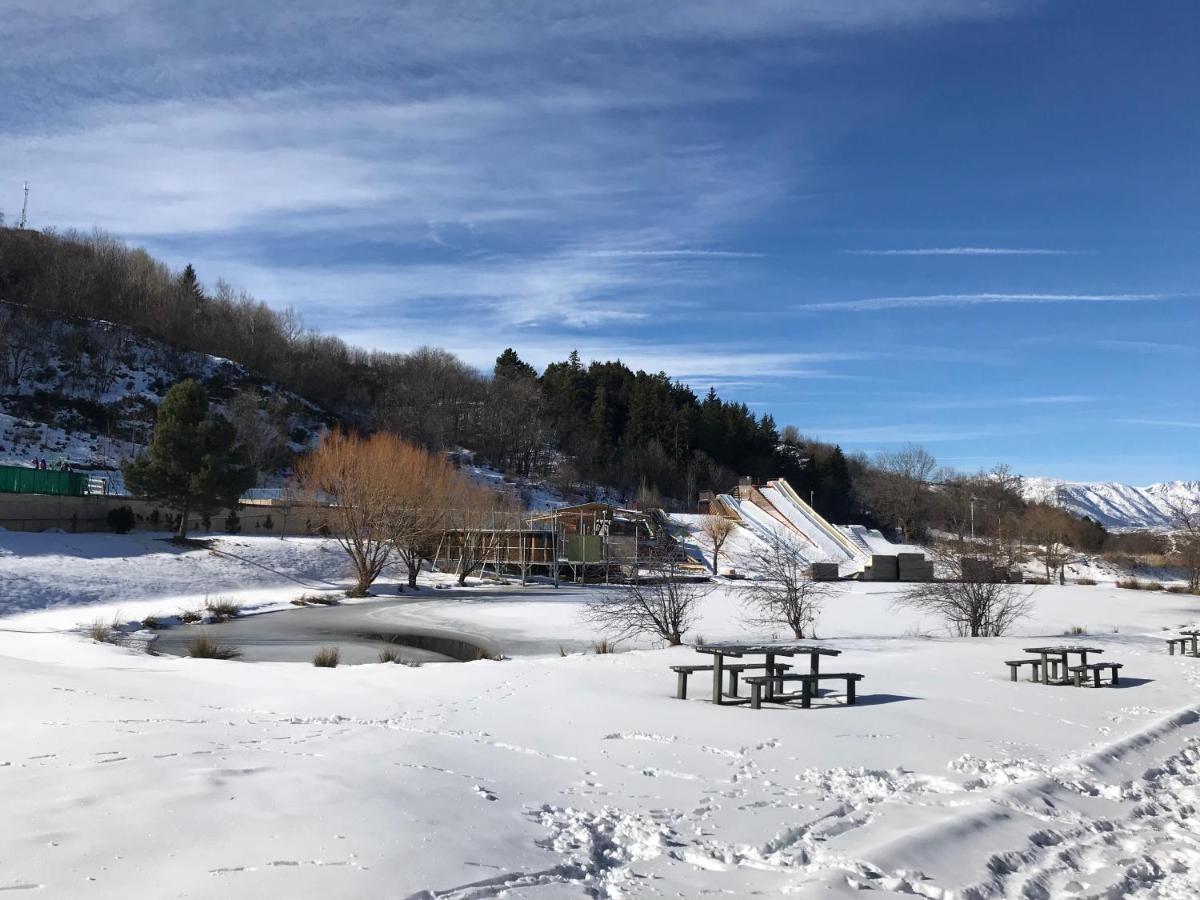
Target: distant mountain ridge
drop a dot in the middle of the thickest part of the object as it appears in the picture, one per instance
(1114, 505)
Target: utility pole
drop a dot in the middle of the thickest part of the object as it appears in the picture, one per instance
(973, 499)
(24, 208)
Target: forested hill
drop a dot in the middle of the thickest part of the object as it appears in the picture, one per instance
(584, 424)
(92, 332)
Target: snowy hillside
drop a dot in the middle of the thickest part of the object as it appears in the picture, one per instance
(87, 392)
(1116, 506)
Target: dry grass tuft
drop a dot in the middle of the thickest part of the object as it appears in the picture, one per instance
(204, 647)
(326, 658)
(222, 610)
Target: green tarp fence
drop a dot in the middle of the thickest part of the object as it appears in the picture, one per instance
(20, 480)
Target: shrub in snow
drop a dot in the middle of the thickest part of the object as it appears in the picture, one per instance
(388, 655)
(969, 603)
(121, 519)
(233, 524)
(316, 600)
(662, 603)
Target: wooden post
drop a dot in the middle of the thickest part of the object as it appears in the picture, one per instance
(850, 688)
(718, 666)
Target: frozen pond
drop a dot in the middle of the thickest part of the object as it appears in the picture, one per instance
(360, 631)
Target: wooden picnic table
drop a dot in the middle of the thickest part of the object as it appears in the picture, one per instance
(769, 649)
(1195, 638)
(1062, 652)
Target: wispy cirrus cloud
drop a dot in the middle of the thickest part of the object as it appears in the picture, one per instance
(672, 254)
(966, 251)
(1146, 346)
(922, 301)
(903, 432)
(1163, 423)
(999, 402)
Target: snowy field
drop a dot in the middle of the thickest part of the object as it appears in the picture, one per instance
(124, 774)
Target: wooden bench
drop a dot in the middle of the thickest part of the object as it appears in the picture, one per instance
(1183, 645)
(1015, 664)
(1080, 672)
(808, 686)
(734, 670)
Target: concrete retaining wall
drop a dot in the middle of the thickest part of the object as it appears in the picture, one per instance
(38, 512)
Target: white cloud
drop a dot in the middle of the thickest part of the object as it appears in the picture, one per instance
(873, 304)
(966, 251)
(902, 432)
(1163, 423)
(996, 402)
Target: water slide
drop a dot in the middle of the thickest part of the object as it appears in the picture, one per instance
(857, 533)
(760, 523)
(836, 546)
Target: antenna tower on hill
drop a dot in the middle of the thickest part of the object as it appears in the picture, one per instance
(24, 208)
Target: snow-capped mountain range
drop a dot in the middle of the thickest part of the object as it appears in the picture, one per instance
(1116, 506)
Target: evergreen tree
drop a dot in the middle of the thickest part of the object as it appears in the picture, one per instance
(193, 464)
(192, 292)
(510, 365)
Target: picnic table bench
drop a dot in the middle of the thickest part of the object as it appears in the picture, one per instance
(1185, 638)
(1015, 664)
(808, 686)
(1079, 673)
(768, 650)
(1054, 661)
(734, 670)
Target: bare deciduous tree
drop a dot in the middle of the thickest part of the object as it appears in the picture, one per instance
(261, 424)
(969, 601)
(357, 477)
(717, 529)
(782, 591)
(664, 603)
(475, 524)
(1185, 539)
(430, 488)
(1048, 528)
(898, 486)
(21, 342)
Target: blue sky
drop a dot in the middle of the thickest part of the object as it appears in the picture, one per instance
(971, 224)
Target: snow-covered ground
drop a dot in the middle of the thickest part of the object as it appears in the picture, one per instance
(124, 774)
